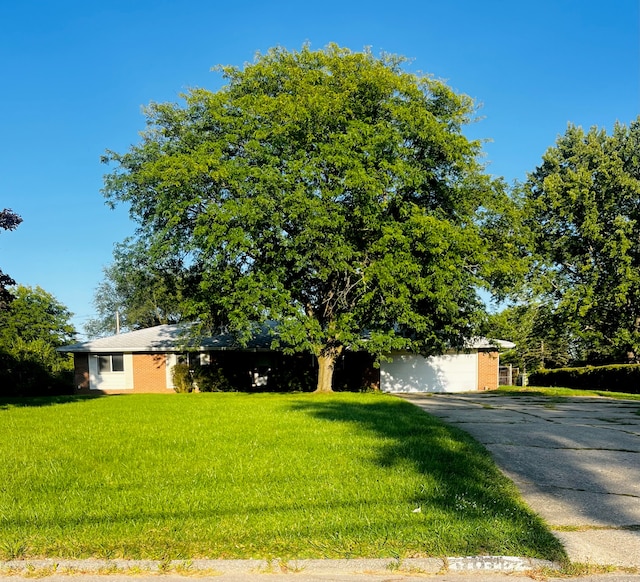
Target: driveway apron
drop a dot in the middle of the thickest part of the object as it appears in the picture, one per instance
(576, 462)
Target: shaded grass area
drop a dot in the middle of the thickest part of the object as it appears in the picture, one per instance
(264, 476)
(564, 392)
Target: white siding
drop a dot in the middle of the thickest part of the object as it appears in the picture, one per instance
(172, 360)
(415, 373)
(110, 380)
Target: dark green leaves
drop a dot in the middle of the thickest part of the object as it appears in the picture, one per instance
(584, 211)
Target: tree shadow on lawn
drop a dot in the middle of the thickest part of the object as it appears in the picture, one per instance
(8, 402)
(468, 485)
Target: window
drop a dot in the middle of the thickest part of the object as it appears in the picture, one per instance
(193, 359)
(111, 363)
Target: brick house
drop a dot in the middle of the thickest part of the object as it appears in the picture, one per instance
(142, 362)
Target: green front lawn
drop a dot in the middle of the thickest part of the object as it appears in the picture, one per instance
(264, 476)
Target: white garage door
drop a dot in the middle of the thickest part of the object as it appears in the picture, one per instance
(412, 373)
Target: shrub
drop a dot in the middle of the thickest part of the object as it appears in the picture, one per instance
(615, 378)
(211, 378)
(182, 378)
(24, 376)
(293, 373)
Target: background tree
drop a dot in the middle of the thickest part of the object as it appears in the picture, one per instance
(33, 325)
(540, 341)
(583, 207)
(143, 293)
(9, 220)
(330, 191)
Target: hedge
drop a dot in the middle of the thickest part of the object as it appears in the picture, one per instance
(32, 378)
(615, 378)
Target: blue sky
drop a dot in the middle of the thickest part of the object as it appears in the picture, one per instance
(75, 74)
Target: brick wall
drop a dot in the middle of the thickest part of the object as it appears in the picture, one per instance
(488, 362)
(149, 373)
(81, 372)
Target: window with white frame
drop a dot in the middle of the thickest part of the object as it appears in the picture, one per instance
(110, 363)
(193, 359)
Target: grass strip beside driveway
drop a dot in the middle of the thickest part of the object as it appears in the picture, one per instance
(563, 393)
(263, 476)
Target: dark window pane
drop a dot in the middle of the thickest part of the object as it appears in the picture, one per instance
(117, 363)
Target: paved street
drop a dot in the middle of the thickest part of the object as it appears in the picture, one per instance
(576, 462)
(315, 575)
(321, 577)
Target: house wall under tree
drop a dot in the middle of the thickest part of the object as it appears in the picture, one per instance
(150, 373)
(146, 373)
(488, 369)
(81, 372)
(453, 372)
(142, 361)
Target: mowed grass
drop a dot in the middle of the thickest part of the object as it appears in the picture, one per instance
(262, 476)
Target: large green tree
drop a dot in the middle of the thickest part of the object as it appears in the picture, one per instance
(330, 191)
(583, 207)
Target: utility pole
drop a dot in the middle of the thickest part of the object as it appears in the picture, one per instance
(117, 322)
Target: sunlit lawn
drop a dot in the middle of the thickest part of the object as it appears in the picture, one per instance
(265, 476)
(565, 392)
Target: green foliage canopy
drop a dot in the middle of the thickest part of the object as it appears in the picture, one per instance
(328, 190)
(583, 207)
(35, 317)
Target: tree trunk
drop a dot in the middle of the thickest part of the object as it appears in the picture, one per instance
(326, 363)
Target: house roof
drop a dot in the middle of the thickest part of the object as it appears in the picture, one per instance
(174, 338)
(166, 338)
(484, 343)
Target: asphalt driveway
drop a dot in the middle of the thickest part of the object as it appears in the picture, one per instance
(576, 462)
